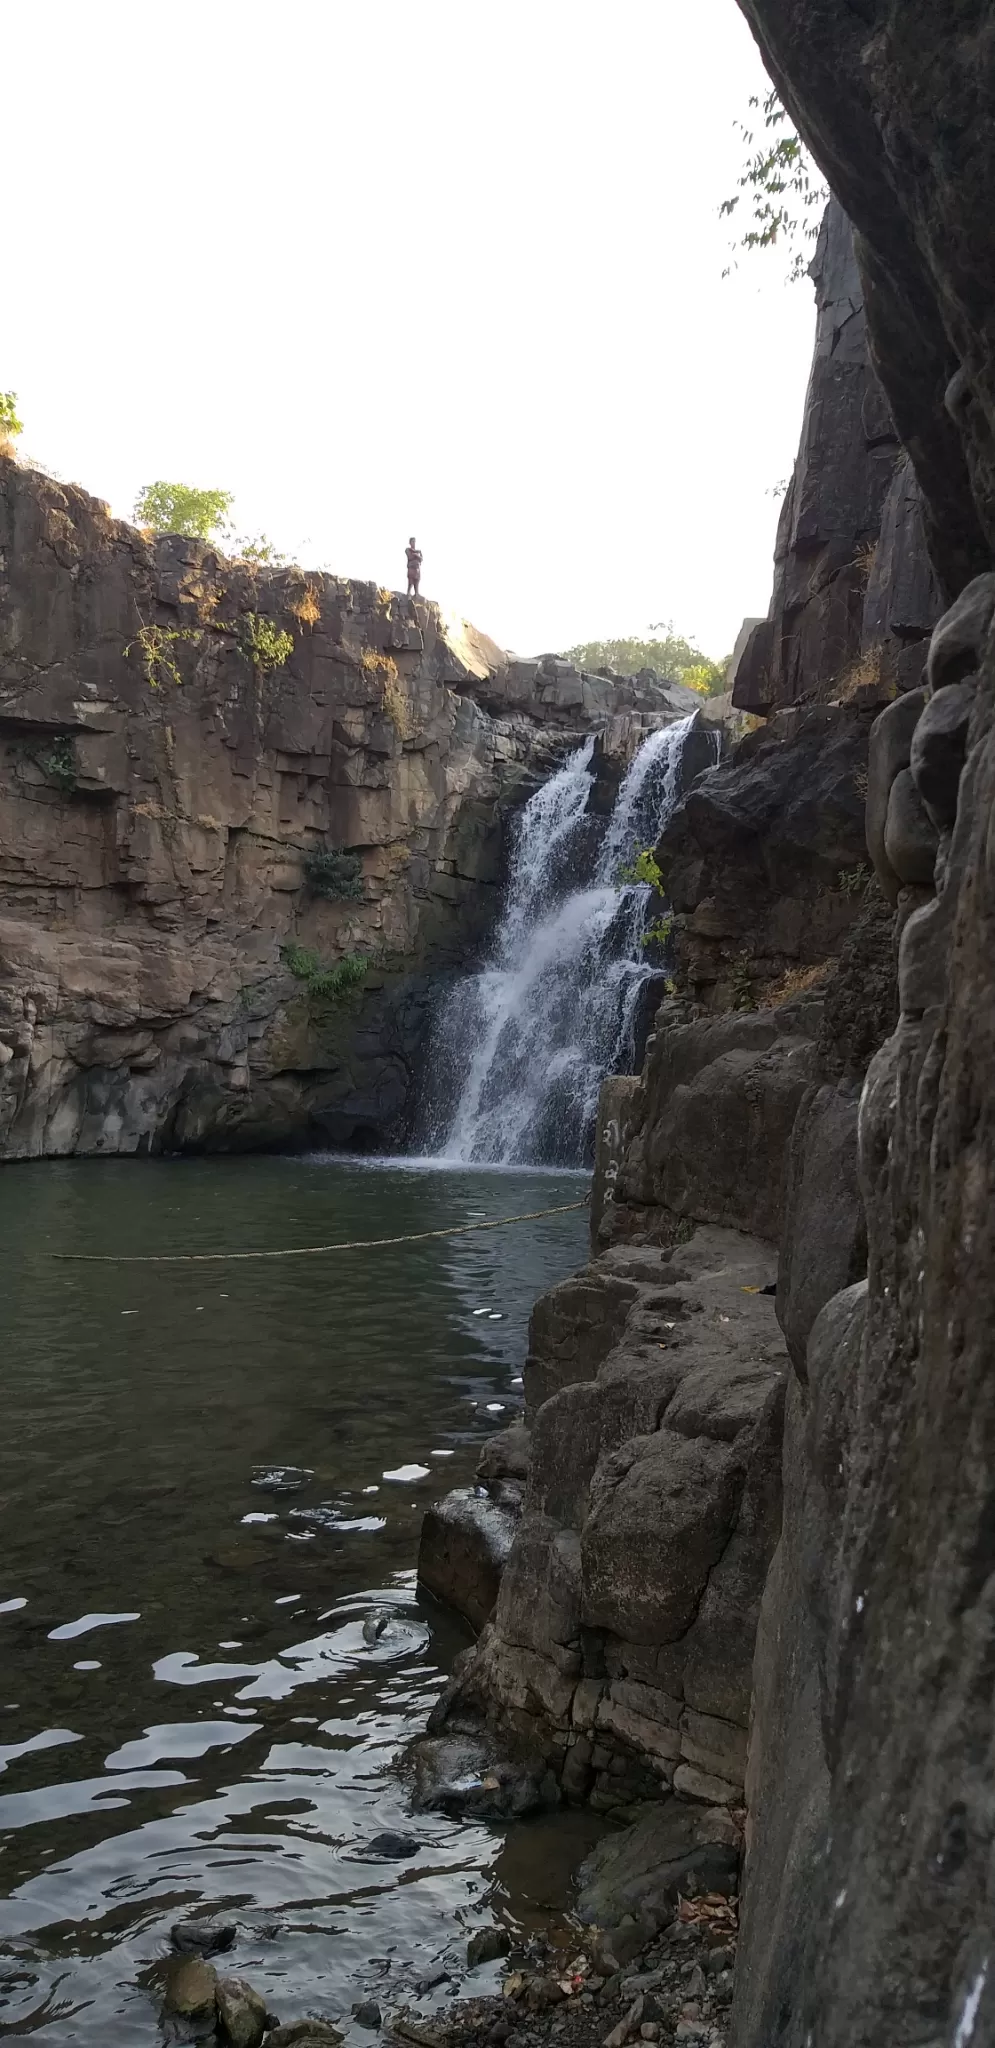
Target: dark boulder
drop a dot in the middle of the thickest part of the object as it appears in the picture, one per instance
(463, 1549)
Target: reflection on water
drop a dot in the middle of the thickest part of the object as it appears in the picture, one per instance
(211, 1478)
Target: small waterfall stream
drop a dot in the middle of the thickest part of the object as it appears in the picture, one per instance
(522, 1045)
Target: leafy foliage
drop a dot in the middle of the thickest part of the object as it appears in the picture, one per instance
(182, 508)
(332, 982)
(741, 984)
(332, 872)
(858, 881)
(625, 657)
(670, 656)
(265, 643)
(707, 677)
(645, 868)
(657, 934)
(155, 645)
(10, 423)
(59, 764)
(781, 185)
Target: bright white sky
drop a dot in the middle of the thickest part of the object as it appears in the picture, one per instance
(385, 267)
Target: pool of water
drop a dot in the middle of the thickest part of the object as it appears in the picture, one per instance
(211, 1475)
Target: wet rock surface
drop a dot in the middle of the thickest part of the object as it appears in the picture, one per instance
(203, 1937)
(241, 2011)
(464, 1546)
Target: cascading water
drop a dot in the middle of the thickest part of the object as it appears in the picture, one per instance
(521, 1047)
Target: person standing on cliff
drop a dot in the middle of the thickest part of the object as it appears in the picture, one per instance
(413, 552)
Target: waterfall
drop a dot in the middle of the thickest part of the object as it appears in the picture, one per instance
(521, 1046)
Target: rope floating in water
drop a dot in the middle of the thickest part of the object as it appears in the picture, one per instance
(303, 1251)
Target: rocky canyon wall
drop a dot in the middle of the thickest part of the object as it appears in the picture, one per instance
(854, 594)
(867, 1902)
(817, 1102)
(617, 1554)
(169, 770)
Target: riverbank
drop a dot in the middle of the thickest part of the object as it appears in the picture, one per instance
(572, 1993)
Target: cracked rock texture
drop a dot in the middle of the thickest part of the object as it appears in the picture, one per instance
(164, 779)
(867, 1906)
(854, 594)
(765, 860)
(895, 98)
(619, 1653)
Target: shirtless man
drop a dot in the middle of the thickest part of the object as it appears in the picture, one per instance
(414, 567)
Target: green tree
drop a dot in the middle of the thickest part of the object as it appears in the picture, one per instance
(182, 508)
(784, 193)
(670, 655)
(625, 657)
(707, 677)
(10, 424)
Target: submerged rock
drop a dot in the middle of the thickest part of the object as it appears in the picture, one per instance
(390, 1847)
(487, 1945)
(458, 1775)
(307, 2033)
(203, 1937)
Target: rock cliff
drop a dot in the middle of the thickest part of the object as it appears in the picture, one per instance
(217, 785)
(615, 1663)
(844, 1131)
(854, 592)
(867, 1908)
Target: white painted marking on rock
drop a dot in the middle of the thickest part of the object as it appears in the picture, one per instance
(965, 2025)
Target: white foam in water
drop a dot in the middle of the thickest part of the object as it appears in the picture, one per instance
(531, 1036)
(404, 1473)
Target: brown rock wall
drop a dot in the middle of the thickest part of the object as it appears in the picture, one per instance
(165, 774)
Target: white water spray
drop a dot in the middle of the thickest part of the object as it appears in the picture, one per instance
(523, 1045)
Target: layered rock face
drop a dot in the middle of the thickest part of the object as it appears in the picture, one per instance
(867, 1903)
(854, 593)
(170, 767)
(895, 99)
(765, 863)
(617, 1660)
(867, 1914)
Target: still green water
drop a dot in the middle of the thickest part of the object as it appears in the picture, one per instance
(209, 1476)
